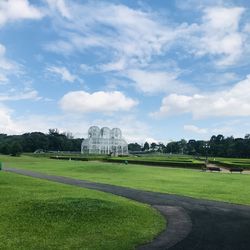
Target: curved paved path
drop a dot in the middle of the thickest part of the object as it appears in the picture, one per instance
(192, 223)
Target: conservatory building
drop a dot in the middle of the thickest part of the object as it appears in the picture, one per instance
(104, 141)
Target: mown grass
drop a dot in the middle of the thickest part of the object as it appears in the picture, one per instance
(37, 214)
(234, 188)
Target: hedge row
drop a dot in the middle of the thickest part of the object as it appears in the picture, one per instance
(141, 162)
(69, 158)
(230, 165)
(242, 162)
(160, 163)
(162, 160)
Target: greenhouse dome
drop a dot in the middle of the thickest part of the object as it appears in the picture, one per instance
(104, 141)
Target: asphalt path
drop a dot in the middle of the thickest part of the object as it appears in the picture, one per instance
(192, 223)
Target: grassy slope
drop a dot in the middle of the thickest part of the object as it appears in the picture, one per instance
(233, 188)
(37, 214)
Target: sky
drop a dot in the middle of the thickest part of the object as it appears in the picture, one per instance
(160, 70)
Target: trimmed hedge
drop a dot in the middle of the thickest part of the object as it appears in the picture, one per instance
(77, 158)
(241, 162)
(160, 163)
(157, 159)
(230, 165)
(141, 162)
(69, 158)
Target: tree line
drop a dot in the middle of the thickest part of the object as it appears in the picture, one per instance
(37, 141)
(217, 146)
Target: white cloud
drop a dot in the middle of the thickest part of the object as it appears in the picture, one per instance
(247, 28)
(7, 67)
(218, 35)
(12, 10)
(153, 82)
(195, 129)
(14, 91)
(224, 130)
(84, 102)
(197, 4)
(223, 19)
(139, 132)
(61, 47)
(10, 124)
(60, 6)
(87, 69)
(118, 65)
(129, 39)
(63, 73)
(26, 95)
(231, 102)
(130, 36)
(7, 124)
(3, 79)
(42, 123)
(5, 64)
(218, 79)
(236, 127)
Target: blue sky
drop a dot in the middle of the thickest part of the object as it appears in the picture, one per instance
(159, 70)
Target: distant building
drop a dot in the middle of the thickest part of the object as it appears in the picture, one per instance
(104, 141)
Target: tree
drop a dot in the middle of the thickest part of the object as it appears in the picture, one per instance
(33, 141)
(146, 146)
(191, 147)
(30, 142)
(5, 149)
(153, 145)
(183, 146)
(54, 131)
(69, 135)
(220, 146)
(173, 147)
(162, 147)
(134, 147)
(16, 149)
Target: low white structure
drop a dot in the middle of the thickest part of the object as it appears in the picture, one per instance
(104, 141)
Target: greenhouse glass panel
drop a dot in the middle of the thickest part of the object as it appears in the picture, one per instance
(104, 141)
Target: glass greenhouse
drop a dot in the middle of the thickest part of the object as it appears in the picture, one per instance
(104, 141)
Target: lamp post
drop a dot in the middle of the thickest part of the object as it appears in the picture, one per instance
(170, 141)
(206, 147)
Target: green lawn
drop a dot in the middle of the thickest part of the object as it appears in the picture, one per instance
(37, 214)
(234, 188)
